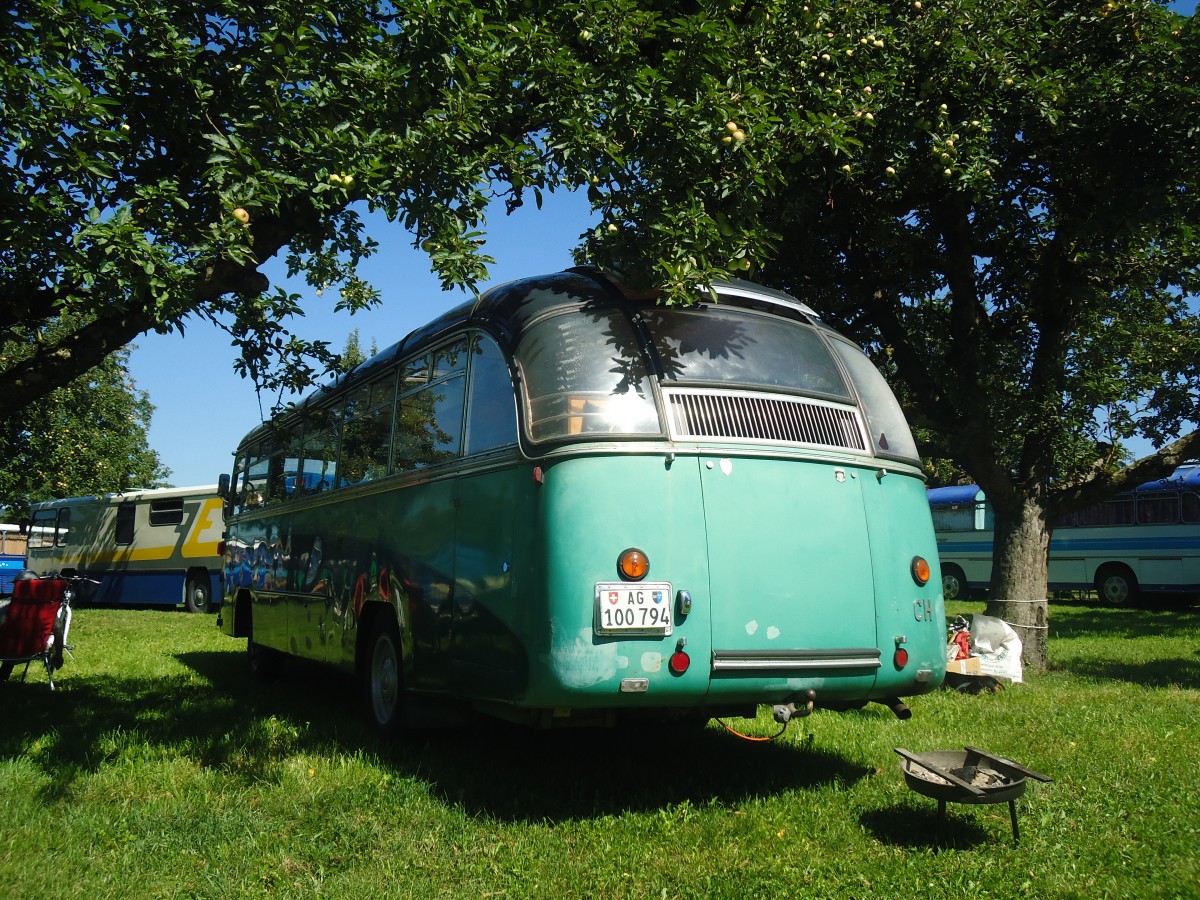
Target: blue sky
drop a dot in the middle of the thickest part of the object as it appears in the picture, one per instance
(203, 408)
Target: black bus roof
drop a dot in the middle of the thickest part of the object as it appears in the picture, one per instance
(505, 309)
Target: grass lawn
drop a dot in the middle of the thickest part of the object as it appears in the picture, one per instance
(158, 769)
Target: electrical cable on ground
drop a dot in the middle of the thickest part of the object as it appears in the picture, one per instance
(749, 737)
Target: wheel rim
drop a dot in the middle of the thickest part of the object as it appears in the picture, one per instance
(1115, 590)
(950, 587)
(200, 598)
(385, 679)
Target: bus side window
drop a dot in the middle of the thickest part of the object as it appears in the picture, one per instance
(125, 517)
(166, 512)
(234, 499)
(1118, 511)
(319, 465)
(1158, 509)
(890, 434)
(954, 518)
(1191, 507)
(41, 531)
(491, 409)
(256, 482)
(582, 375)
(429, 422)
(49, 528)
(269, 474)
(366, 440)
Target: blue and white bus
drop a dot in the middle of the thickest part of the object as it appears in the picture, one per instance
(12, 556)
(1144, 541)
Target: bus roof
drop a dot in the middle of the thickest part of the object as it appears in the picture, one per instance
(506, 308)
(1185, 478)
(956, 495)
(136, 494)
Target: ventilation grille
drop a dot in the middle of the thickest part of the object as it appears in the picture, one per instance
(768, 418)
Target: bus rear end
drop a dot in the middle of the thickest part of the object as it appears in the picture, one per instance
(782, 525)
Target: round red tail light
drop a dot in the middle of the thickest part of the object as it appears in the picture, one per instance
(679, 662)
(900, 660)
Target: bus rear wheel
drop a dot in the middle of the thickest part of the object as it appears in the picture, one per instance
(196, 594)
(1116, 586)
(383, 683)
(954, 582)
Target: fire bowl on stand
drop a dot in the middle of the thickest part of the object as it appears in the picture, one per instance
(967, 776)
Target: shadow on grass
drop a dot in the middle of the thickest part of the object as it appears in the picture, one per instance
(1174, 671)
(514, 774)
(916, 826)
(248, 730)
(1075, 620)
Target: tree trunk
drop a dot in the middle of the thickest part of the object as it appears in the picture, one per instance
(1020, 555)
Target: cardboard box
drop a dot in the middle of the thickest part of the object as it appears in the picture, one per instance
(968, 666)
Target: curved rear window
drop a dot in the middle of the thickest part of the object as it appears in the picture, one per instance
(712, 345)
(890, 434)
(584, 376)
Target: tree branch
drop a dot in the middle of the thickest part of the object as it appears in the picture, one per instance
(60, 363)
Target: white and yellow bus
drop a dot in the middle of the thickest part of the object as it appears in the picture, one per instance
(152, 547)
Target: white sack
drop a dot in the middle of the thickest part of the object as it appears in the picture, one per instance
(997, 646)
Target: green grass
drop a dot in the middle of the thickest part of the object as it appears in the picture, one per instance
(159, 770)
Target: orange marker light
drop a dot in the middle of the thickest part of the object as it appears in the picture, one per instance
(920, 570)
(633, 564)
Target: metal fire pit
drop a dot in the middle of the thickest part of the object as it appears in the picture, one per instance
(967, 776)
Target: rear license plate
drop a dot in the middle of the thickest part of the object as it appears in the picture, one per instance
(633, 609)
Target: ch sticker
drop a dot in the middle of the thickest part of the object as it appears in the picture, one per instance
(923, 610)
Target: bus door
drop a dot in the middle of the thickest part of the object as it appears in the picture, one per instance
(424, 536)
(262, 541)
(486, 654)
(790, 574)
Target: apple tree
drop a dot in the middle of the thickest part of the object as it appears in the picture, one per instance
(154, 155)
(88, 437)
(1001, 199)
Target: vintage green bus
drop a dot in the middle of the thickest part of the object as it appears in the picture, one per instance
(563, 505)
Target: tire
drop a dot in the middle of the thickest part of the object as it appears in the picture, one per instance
(1116, 586)
(383, 676)
(197, 596)
(954, 583)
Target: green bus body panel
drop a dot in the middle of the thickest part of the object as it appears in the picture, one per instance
(488, 650)
(783, 569)
(492, 577)
(590, 510)
(898, 532)
(311, 574)
(791, 568)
